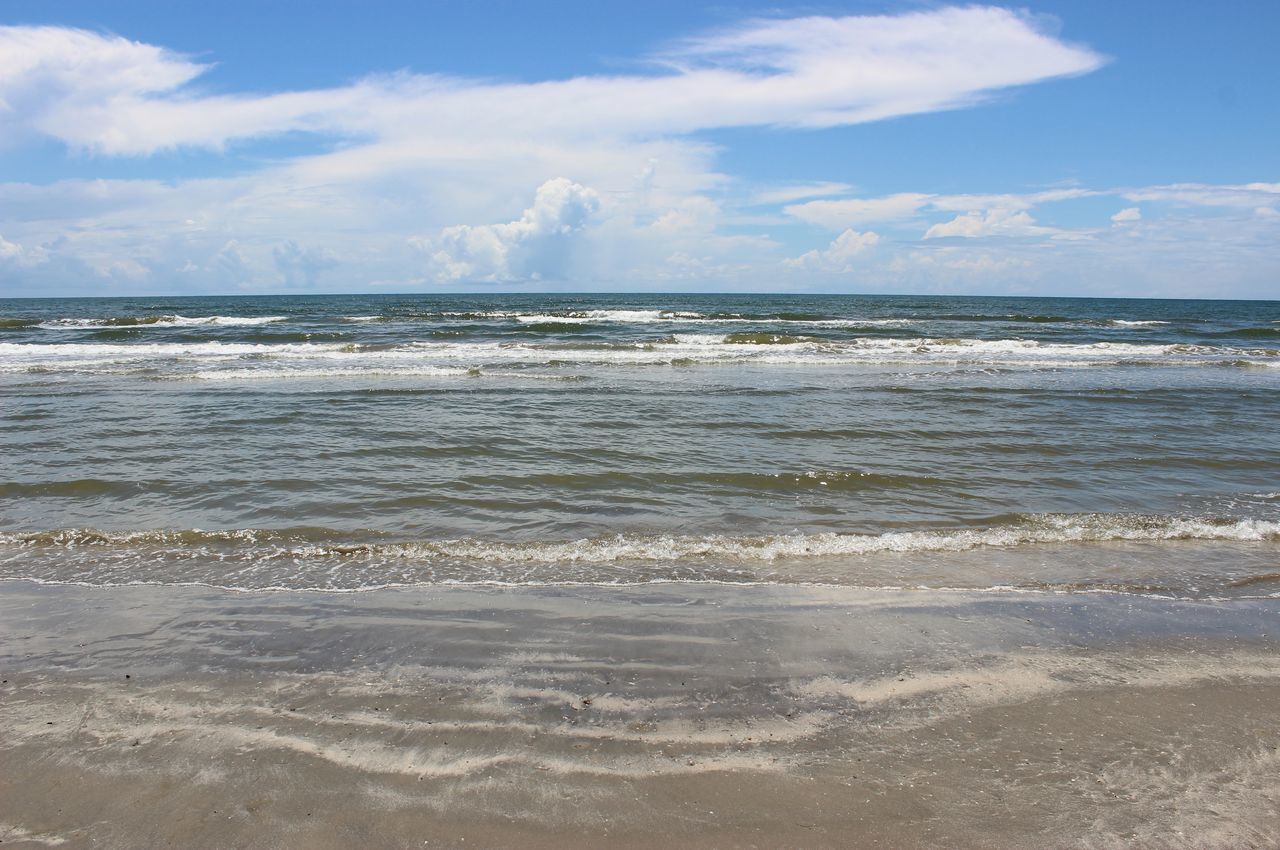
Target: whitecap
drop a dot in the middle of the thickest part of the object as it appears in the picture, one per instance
(169, 321)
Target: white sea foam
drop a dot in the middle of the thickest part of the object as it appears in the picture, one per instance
(683, 317)
(629, 316)
(182, 359)
(1092, 528)
(267, 374)
(157, 322)
(651, 316)
(569, 317)
(319, 560)
(1034, 529)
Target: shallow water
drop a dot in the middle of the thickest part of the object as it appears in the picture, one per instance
(343, 443)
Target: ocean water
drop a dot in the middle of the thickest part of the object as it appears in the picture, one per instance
(342, 443)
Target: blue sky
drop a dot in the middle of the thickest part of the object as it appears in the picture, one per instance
(1072, 148)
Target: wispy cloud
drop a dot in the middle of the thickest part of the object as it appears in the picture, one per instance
(993, 209)
(1200, 194)
(797, 192)
(109, 95)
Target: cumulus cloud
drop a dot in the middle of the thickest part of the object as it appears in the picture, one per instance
(839, 256)
(17, 255)
(300, 267)
(691, 216)
(998, 222)
(9, 250)
(533, 247)
(230, 263)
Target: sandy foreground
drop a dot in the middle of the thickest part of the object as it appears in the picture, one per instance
(678, 715)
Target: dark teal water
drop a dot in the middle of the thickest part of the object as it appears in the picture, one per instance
(347, 442)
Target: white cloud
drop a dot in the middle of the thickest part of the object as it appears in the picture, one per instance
(903, 206)
(852, 212)
(415, 154)
(300, 267)
(1202, 194)
(798, 192)
(1127, 215)
(1010, 202)
(114, 96)
(53, 79)
(958, 263)
(17, 255)
(821, 72)
(229, 266)
(9, 250)
(976, 224)
(839, 256)
(533, 247)
(692, 215)
(420, 153)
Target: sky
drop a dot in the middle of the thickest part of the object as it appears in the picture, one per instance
(1054, 148)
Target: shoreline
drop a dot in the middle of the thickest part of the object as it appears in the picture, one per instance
(695, 714)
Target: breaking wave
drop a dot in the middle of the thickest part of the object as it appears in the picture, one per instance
(335, 560)
(163, 321)
(249, 360)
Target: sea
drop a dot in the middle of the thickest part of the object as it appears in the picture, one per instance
(345, 443)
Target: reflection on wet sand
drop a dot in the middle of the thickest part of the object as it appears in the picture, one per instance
(708, 715)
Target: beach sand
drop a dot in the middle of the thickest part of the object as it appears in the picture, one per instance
(680, 715)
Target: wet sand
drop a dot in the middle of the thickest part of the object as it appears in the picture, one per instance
(686, 715)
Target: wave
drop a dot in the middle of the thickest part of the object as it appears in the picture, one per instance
(267, 374)
(95, 487)
(281, 359)
(1092, 528)
(835, 480)
(765, 338)
(335, 560)
(1009, 531)
(1257, 579)
(1247, 333)
(630, 316)
(561, 318)
(161, 321)
(812, 319)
